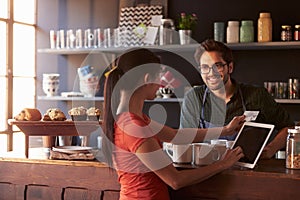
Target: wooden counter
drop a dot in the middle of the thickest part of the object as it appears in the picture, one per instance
(269, 180)
(55, 179)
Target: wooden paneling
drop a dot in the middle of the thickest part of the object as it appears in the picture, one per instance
(56, 179)
(42, 173)
(11, 191)
(43, 192)
(80, 194)
(111, 195)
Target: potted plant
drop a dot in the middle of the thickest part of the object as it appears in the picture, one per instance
(186, 24)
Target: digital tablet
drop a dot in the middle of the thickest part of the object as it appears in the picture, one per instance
(252, 138)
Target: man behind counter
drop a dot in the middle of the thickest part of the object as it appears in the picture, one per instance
(222, 98)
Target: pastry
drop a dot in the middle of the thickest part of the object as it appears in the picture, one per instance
(54, 114)
(78, 113)
(93, 114)
(29, 114)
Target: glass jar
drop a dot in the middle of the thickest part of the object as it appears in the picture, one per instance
(286, 33)
(297, 33)
(293, 148)
(233, 32)
(247, 31)
(219, 31)
(264, 28)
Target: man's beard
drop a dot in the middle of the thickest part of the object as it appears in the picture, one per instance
(221, 84)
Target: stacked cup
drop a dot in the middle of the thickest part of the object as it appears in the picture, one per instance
(88, 81)
(51, 84)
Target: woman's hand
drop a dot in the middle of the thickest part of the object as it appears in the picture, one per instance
(231, 157)
(268, 152)
(234, 126)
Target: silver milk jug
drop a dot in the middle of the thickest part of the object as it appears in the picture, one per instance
(166, 30)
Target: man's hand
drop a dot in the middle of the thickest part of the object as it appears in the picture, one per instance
(235, 125)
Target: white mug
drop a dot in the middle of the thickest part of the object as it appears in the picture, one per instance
(51, 84)
(205, 154)
(180, 153)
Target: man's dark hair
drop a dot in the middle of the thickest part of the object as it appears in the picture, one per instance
(212, 45)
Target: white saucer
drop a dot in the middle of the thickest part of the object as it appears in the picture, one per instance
(72, 149)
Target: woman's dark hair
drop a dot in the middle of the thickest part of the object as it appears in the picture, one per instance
(124, 63)
(212, 45)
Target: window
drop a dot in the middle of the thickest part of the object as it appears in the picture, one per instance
(17, 59)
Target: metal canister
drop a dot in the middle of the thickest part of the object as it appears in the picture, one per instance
(293, 148)
(297, 33)
(286, 33)
(166, 30)
(293, 88)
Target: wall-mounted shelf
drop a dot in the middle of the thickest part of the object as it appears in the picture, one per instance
(265, 45)
(61, 98)
(288, 101)
(118, 50)
(177, 48)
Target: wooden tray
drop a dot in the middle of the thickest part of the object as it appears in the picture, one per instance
(56, 128)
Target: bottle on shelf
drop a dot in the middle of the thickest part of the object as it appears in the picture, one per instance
(247, 31)
(233, 32)
(297, 33)
(286, 33)
(264, 27)
(219, 31)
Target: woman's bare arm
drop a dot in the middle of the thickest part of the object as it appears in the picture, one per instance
(151, 154)
(189, 135)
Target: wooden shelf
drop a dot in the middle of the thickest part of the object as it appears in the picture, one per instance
(55, 128)
(176, 47)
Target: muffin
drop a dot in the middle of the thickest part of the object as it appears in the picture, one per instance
(78, 113)
(93, 114)
(54, 114)
(29, 114)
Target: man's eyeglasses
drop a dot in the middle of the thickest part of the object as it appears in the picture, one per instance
(217, 67)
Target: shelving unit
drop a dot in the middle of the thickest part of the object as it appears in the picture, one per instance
(177, 48)
(174, 48)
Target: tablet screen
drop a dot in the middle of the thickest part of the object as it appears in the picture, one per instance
(252, 139)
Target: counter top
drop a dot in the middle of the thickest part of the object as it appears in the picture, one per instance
(269, 180)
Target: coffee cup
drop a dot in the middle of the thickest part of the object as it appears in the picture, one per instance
(51, 84)
(206, 154)
(220, 145)
(180, 153)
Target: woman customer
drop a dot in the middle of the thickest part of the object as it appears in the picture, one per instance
(133, 141)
